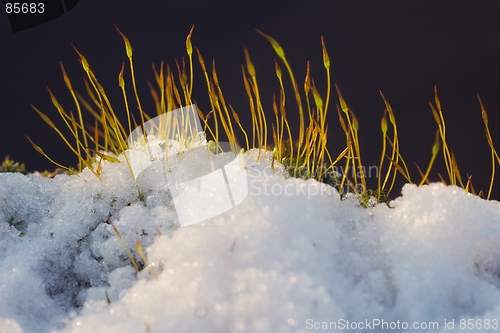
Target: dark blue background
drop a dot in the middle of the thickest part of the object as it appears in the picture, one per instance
(403, 48)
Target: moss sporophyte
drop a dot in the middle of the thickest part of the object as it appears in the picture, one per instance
(304, 155)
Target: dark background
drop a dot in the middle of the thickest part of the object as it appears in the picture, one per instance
(403, 48)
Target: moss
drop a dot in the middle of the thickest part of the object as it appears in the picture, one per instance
(304, 155)
(9, 165)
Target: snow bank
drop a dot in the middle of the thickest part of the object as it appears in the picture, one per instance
(291, 257)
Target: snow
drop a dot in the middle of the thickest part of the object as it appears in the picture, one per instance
(287, 255)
